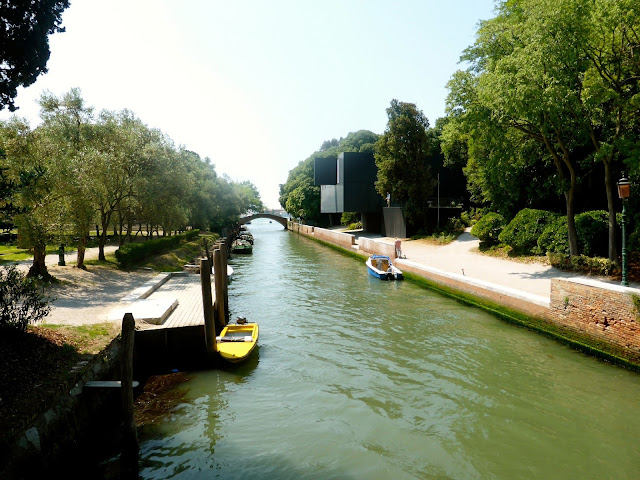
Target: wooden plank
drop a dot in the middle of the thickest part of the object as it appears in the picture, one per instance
(108, 384)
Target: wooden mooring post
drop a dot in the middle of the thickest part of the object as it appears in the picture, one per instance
(130, 448)
(219, 278)
(224, 250)
(207, 304)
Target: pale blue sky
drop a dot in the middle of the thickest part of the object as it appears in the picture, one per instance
(258, 85)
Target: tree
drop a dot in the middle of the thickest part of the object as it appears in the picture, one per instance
(122, 156)
(30, 158)
(495, 159)
(249, 196)
(69, 123)
(401, 157)
(611, 93)
(563, 74)
(24, 49)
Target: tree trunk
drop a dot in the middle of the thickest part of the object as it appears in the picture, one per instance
(129, 228)
(613, 231)
(105, 218)
(39, 268)
(571, 220)
(82, 247)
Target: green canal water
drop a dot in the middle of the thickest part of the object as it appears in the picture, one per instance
(356, 378)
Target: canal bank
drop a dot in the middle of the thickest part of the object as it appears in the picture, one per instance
(594, 316)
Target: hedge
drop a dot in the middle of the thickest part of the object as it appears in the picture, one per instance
(592, 230)
(523, 231)
(131, 253)
(555, 237)
(488, 228)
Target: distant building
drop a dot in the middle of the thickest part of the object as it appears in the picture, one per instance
(347, 184)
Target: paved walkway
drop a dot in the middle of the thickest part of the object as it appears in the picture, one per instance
(461, 257)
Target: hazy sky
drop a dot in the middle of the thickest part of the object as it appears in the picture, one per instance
(258, 85)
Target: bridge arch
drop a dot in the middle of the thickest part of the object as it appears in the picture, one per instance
(281, 220)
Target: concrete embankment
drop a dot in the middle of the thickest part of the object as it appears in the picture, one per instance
(598, 317)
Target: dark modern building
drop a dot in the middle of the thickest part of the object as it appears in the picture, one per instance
(347, 184)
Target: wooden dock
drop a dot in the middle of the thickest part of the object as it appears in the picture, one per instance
(175, 317)
(185, 288)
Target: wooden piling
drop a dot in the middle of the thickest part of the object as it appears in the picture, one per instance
(225, 294)
(219, 276)
(207, 304)
(130, 448)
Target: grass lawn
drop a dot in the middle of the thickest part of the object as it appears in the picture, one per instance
(12, 253)
(86, 339)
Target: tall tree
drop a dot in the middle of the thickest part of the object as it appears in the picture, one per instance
(24, 48)
(30, 158)
(528, 66)
(611, 93)
(564, 74)
(69, 123)
(402, 154)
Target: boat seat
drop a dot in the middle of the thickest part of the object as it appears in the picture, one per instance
(246, 338)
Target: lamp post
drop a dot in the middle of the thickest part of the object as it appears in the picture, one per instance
(624, 190)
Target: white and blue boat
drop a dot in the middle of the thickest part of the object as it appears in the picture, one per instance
(380, 266)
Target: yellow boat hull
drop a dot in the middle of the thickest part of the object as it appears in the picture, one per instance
(236, 342)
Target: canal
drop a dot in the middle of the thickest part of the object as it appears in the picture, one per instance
(356, 378)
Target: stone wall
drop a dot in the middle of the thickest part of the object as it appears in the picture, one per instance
(64, 429)
(345, 240)
(602, 311)
(373, 247)
(300, 228)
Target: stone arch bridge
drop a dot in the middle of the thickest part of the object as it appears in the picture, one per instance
(281, 220)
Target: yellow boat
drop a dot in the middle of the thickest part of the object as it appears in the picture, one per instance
(236, 342)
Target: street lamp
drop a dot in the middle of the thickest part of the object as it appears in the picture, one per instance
(624, 190)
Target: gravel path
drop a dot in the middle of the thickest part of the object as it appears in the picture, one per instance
(87, 296)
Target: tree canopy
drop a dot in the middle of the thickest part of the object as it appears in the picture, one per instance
(24, 48)
(402, 155)
(550, 97)
(77, 169)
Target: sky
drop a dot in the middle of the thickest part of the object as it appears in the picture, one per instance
(258, 85)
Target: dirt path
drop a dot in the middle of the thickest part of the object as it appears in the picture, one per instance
(87, 296)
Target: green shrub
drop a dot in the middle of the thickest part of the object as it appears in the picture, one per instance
(21, 302)
(582, 264)
(592, 230)
(488, 228)
(471, 216)
(348, 218)
(555, 237)
(129, 254)
(455, 225)
(523, 231)
(355, 226)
